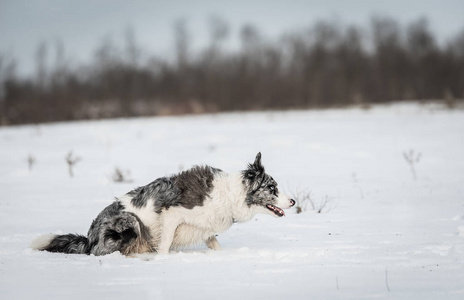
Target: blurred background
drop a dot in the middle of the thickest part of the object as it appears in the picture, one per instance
(73, 60)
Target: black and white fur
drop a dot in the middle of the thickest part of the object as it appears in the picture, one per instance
(184, 209)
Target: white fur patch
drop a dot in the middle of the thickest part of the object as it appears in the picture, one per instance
(42, 241)
(146, 214)
(283, 201)
(228, 197)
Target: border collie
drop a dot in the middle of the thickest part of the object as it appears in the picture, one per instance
(184, 209)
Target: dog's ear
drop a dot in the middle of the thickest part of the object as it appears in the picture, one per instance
(254, 170)
(257, 164)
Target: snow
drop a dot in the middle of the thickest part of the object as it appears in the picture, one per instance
(383, 234)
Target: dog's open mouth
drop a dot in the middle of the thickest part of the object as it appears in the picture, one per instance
(276, 210)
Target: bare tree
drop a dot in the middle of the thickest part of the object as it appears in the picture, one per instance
(391, 68)
(132, 50)
(182, 38)
(107, 55)
(59, 72)
(7, 76)
(250, 37)
(456, 45)
(386, 32)
(41, 64)
(420, 40)
(219, 31)
(130, 70)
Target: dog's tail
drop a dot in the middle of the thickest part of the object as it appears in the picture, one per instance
(67, 243)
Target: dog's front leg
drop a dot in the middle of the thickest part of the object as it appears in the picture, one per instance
(167, 235)
(213, 243)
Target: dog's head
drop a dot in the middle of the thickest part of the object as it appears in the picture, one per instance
(262, 191)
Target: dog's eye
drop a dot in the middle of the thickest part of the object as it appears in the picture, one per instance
(271, 188)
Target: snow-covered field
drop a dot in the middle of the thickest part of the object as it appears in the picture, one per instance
(383, 234)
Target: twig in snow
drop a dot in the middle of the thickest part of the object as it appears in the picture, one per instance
(31, 161)
(321, 205)
(412, 158)
(71, 161)
(386, 280)
(121, 176)
(356, 185)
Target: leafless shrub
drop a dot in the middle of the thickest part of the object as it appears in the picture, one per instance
(304, 199)
(71, 161)
(321, 206)
(121, 176)
(31, 161)
(412, 158)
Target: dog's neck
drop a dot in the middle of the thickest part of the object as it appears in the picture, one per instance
(241, 212)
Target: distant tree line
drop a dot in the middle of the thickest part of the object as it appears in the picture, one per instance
(325, 65)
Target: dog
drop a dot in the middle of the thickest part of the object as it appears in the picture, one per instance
(188, 208)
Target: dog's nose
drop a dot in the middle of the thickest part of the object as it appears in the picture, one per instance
(292, 202)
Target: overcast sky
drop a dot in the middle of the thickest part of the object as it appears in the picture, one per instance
(82, 25)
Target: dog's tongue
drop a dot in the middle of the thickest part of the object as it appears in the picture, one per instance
(277, 210)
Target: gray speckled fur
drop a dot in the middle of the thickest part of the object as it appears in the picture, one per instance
(112, 230)
(117, 230)
(187, 189)
(258, 184)
(68, 243)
